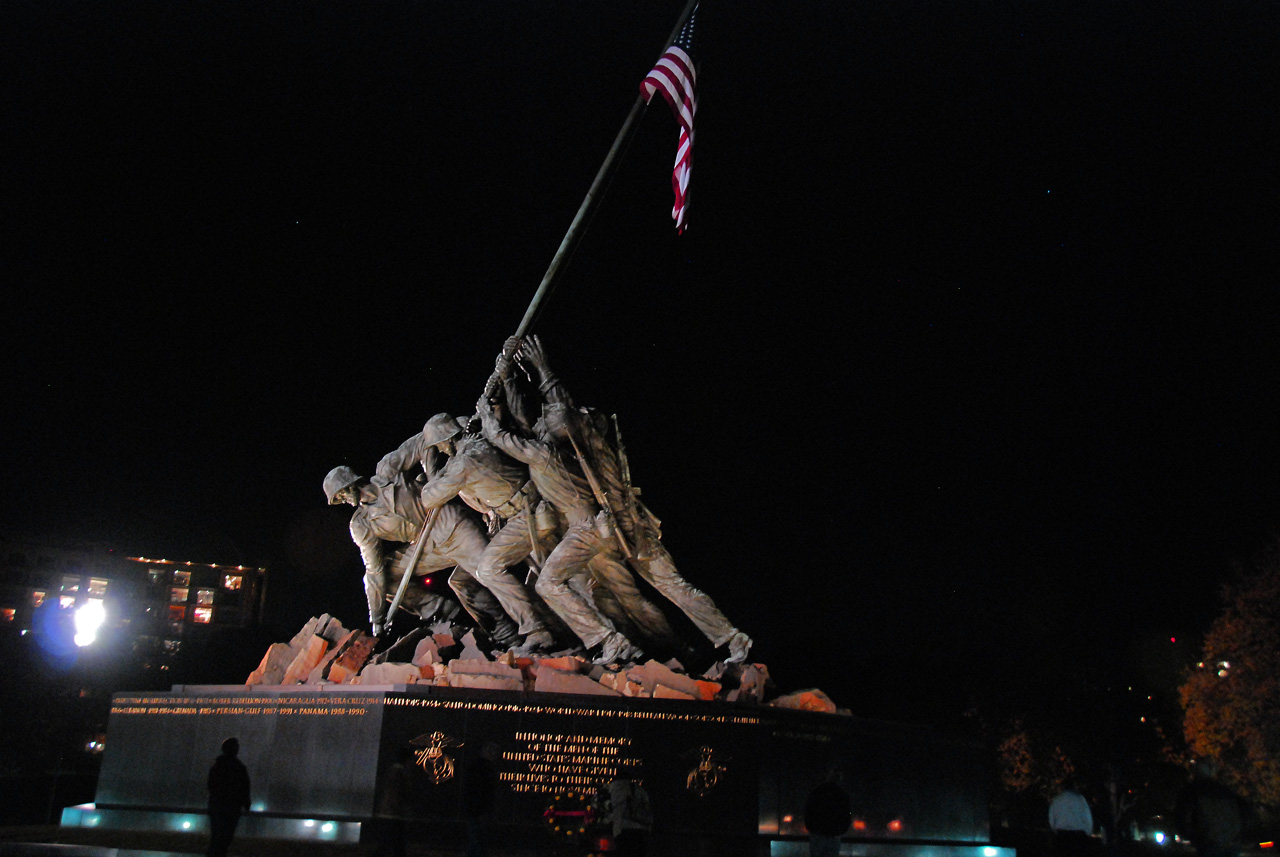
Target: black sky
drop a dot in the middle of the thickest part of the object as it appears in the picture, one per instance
(968, 350)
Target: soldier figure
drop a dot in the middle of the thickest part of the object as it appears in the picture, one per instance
(583, 548)
(635, 524)
(500, 489)
(387, 509)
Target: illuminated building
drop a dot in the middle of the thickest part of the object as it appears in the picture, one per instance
(156, 605)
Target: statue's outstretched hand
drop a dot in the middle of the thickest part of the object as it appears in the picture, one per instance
(533, 353)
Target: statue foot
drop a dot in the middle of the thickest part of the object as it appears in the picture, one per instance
(739, 645)
(617, 649)
(536, 641)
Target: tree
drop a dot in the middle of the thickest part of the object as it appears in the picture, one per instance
(1231, 697)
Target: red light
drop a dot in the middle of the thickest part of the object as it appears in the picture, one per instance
(859, 824)
(1173, 639)
(1266, 844)
(426, 581)
(895, 826)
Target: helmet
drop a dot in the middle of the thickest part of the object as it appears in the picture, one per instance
(339, 477)
(440, 428)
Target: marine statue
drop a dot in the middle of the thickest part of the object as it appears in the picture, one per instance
(635, 527)
(499, 488)
(388, 513)
(555, 493)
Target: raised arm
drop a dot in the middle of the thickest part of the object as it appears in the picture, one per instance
(402, 459)
(534, 358)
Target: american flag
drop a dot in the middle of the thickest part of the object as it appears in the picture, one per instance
(676, 79)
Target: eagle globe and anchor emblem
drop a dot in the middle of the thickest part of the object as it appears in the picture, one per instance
(430, 755)
(705, 776)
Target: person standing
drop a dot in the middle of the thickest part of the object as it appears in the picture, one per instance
(392, 809)
(479, 794)
(827, 815)
(631, 815)
(1071, 821)
(228, 797)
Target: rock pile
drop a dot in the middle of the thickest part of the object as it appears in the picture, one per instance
(324, 652)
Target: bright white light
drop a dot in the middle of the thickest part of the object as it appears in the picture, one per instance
(327, 827)
(186, 825)
(89, 619)
(310, 822)
(988, 851)
(1159, 838)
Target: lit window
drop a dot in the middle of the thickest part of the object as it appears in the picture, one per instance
(37, 598)
(204, 596)
(203, 615)
(177, 613)
(65, 601)
(182, 578)
(178, 595)
(232, 581)
(97, 587)
(157, 575)
(8, 614)
(70, 585)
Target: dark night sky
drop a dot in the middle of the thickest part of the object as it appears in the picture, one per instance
(968, 350)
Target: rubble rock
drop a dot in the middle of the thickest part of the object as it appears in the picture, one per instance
(309, 630)
(487, 682)
(654, 675)
(333, 631)
(558, 681)
(806, 700)
(565, 663)
(306, 660)
(274, 663)
(461, 666)
(351, 657)
(401, 651)
(661, 691)
(426, 652)
(325, 652)
(389, 674)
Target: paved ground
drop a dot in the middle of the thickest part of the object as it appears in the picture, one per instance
(81, 842)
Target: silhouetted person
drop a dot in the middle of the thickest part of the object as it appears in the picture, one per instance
(479, 792)
(631, 815)
(827, 815)
(1071, 821)
(393, 807)
(1210, 814)
(228, 797)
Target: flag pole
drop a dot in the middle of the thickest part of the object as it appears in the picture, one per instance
(594, 194)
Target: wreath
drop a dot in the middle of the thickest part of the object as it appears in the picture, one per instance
(569, 814)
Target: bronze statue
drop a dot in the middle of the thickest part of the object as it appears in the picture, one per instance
(634, 525)
(582, 549)
(388, 511)
(499, 488)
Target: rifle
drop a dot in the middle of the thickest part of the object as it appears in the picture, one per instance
(601, 499)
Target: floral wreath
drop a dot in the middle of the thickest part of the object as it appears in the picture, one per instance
(569, 814)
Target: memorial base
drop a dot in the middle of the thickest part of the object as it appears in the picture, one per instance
(723, 778)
